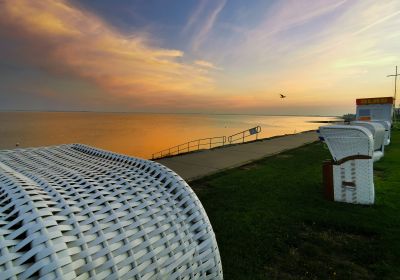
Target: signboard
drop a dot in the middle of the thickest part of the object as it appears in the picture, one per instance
(379, 108)
(253, 130)
(376, 100)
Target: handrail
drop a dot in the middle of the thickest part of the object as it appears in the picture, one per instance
(244, 134)
(194, 145)
(206, 143)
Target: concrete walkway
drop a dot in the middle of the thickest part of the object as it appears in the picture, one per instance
(199, 164)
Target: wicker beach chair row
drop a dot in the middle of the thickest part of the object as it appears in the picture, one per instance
(76, 212)
(354, 148)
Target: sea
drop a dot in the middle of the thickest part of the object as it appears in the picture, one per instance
(138, 134)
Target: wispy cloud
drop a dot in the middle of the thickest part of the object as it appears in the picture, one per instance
(195, 17)
(323, 53)
(61, 39)
(206, 65)
(202, 20)
(379, 21)
(289, 14)
(319, 51)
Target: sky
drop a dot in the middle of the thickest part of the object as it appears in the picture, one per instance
(199, 56)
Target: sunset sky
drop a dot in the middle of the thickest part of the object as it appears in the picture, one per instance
(207, 56)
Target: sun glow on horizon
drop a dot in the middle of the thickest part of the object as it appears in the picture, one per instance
(222, 56)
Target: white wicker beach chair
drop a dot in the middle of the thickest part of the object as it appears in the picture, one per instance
(388, 126)
(76, 212)
(352, 149)
(378, 133)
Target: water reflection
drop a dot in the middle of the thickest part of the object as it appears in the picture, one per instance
(135, 134)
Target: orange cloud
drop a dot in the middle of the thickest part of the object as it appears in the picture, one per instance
(63, 39)
(322, 68)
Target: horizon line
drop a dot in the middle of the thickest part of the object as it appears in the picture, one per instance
(164, 113)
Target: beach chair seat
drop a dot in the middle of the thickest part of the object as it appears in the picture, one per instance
(352, 150)
(77, 212)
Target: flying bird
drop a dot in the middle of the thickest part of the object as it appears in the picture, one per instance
(283, 96)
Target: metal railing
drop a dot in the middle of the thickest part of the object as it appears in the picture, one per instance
(240, 136)
(194, 145)
(207, 143)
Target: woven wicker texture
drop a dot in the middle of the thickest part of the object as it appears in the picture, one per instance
(344, 140)
(76, 212)
(361, 176)
(387, 126)
(352, 179)
(378, 133)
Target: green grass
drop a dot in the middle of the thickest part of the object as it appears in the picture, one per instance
(272, 221)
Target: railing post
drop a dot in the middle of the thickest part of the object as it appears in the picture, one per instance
(219, 139)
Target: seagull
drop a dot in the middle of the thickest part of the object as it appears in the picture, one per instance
(283, 96)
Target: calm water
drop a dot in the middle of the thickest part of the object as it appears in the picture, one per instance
(135, 134)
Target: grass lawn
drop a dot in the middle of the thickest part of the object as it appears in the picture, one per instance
(272, 221)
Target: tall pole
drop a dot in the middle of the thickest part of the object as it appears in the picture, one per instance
(395, 91)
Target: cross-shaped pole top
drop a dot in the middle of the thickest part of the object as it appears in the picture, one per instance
(395, 88)
(395, 81)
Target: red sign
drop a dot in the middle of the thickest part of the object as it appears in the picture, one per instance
(376, 100)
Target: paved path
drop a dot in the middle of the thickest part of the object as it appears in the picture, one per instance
(199, 164)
